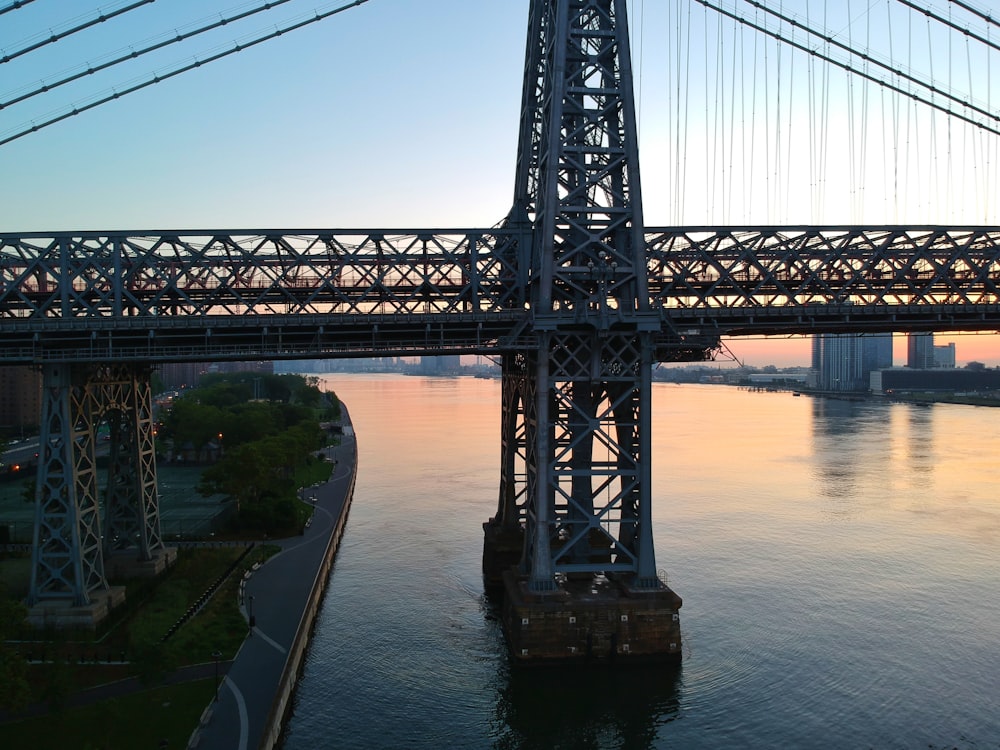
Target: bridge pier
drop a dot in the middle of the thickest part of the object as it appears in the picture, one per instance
(591, 618)
(570, 549)
(69, 583)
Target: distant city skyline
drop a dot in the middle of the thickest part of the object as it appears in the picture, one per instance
(796, 352)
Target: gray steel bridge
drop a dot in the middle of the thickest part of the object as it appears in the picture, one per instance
(271, 294)
(575, 295)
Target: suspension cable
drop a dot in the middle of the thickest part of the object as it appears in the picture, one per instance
(56, 36)
(976, 12)
(848, 67)
(14, 6)
(237, 47)
(132, 54)
(949, 23)
(867, 58)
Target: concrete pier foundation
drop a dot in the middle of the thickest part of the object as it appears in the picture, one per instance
(126, 564)
(60, 614)
(502, 549)
(593, 618)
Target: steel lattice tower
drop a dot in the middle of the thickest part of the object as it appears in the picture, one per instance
(70, 548)
(575, 467)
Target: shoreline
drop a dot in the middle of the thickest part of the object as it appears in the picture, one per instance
(282, 599)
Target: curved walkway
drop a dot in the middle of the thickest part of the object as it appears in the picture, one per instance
(276, 597)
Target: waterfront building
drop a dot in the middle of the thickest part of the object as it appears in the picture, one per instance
(845, 362)
(904, 379)
(920, 351)
(944, 356)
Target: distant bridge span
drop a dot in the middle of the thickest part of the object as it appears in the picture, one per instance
(271, 294)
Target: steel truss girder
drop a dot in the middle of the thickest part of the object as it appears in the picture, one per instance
(56, 305)
(212, 273)
(799, 267)
(68, 555)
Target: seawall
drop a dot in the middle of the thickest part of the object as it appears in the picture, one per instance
(296, 654)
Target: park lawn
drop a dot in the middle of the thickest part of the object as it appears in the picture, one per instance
(141, 719)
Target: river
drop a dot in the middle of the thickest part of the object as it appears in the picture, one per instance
(839, 563)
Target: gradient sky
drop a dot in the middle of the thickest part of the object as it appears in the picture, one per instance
(404, 114)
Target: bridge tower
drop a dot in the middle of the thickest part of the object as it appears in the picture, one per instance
(574, 521)
(71, 553)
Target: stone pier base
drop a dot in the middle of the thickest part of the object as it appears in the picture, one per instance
(593, 618)
(60, 614)
(125, 564)
(502, 549)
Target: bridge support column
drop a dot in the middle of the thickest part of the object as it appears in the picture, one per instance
(69, 586)
(586, 586)
(503, 545)
(132, 542)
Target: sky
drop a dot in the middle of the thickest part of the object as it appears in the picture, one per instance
(404, 114)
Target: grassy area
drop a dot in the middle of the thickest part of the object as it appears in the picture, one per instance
(314, 472)
(139, 720)
(153, 607)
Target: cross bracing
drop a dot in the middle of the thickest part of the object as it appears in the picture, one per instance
(202, 295)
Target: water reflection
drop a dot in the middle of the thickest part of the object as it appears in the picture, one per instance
(838, 562)
(586, 706)
(837, 424)
(920, 438)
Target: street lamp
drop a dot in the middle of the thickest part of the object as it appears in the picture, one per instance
(216, 655)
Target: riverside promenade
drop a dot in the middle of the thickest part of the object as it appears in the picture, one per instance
(280, 600)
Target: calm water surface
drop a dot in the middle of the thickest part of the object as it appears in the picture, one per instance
(839, 563)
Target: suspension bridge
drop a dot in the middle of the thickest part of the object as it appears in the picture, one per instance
(572, 291)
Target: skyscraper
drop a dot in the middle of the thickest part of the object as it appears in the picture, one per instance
(845, 362)
(920, 351)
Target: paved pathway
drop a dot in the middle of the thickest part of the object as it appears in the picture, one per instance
(277, 594)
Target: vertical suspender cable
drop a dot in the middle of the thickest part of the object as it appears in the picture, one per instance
(863, 164)
(732, 127)
(707, 124)
(894, 104)
(933, 169)
(778, 198)
(753, 135)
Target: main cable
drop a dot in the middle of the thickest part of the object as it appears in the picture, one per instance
(848, 67)
(955, 27)
(133, 54)
(56, 36)
(976, 12)
(237, 47)
(867, 58)
(14, 6)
